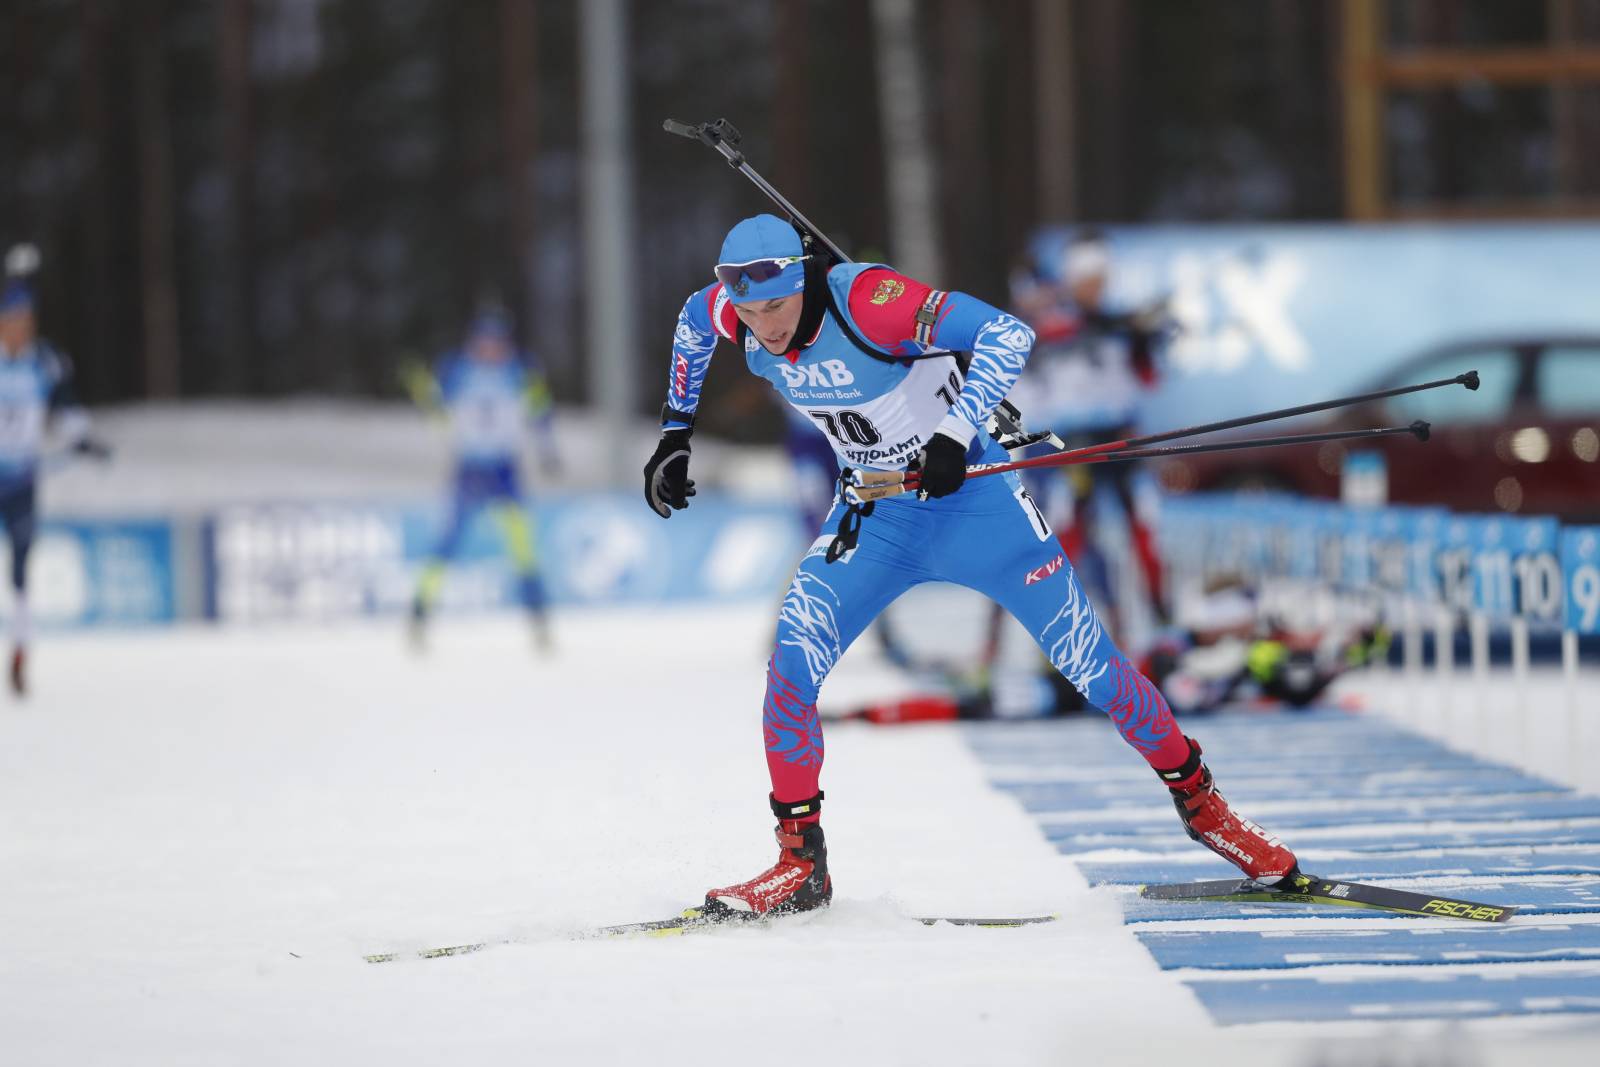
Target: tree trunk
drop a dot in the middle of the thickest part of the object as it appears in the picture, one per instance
(1015, 212)
(909, 163)
(609, 234)
(1105, 122)
(791, 121)
(966, 203)
(1055, 104)
(95, 357)
(519, 116)
(237, 251)
(156, 256)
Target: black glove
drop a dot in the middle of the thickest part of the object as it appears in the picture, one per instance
(943, 466)
(666, 476)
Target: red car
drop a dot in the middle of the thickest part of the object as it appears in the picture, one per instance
(1527, 441)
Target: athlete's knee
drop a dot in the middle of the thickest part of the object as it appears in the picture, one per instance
(1074, 639)
(809, 639)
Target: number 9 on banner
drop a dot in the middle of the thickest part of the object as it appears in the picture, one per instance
(1580, 568)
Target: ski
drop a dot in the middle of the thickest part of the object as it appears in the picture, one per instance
(1308, 890)
(691, 921)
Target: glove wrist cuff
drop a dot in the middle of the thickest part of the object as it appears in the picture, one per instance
(674, 419)
(957, 429)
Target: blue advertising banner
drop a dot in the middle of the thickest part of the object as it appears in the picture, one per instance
(1535, 545)
(1580, 568)
(1425, 532)
(1389, 550)
(99, 573)
(1453, 562)
(1360, 527)
(1491, 566)
(332, 561)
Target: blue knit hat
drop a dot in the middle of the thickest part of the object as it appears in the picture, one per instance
(16, 296)
(491, 322)
(762, 239)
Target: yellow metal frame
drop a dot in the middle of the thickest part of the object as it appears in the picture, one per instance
(1370, 71)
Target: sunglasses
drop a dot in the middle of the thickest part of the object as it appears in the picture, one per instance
(757, 270)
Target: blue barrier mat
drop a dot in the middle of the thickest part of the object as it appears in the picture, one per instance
(1335, 728)
(1328, 769)
(1071, 748)
(1569, 897)
(1488, 808)
(1425, 996)
(1249, 950)
(1488, 835)
(1450, 862)
(1070, 796)
(1063, 768)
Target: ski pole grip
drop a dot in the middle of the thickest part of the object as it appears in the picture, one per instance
(726, 130)
(1469, 379)
(682, 129)
(1420, 430)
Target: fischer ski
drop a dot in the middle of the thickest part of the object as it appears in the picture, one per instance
(691, 921)
(1308, 890)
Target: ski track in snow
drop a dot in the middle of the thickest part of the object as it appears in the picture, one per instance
(203, 832)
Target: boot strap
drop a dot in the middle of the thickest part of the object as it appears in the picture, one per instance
(792, 841)
(1187, 770)
(796, 809)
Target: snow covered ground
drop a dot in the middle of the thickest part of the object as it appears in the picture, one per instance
(202, 832)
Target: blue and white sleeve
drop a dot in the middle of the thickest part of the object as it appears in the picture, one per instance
(693, 341)
(999, 343)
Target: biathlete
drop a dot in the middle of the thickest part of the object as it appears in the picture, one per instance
(1093, 371)
(36, 396)
(490, 391)
(867, 354)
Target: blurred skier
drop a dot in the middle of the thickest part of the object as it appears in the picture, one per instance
(1223, 651)
(866, 354)
(1088, 378)
(36, 398)
(491, 392)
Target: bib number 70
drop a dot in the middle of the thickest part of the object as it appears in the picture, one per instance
(848, 427)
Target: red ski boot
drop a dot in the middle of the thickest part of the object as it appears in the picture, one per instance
(1210, 821)
(797, 882)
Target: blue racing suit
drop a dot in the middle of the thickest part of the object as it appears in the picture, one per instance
(35, 386)
(878, 403)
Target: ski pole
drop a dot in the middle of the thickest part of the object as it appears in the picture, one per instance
(1126, 448)
(1468, 379)
(865, 486)
(722, 136)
